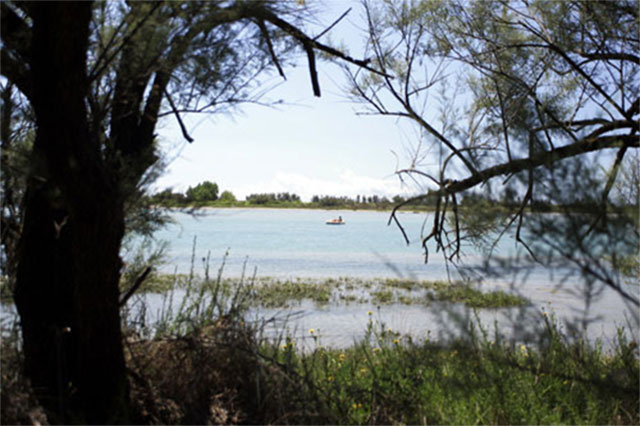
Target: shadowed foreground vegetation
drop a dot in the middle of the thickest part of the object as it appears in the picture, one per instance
(203, 363)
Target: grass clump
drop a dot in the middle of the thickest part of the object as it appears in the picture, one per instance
(161, 283)
(282, 293)
(382, 297)
(474, 298)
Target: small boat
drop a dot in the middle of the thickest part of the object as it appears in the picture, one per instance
(337, 221)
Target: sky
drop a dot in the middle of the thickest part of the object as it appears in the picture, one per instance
(307, 146)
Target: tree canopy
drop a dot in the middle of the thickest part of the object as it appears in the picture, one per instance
(541, 97)
(95, 79)
(205, 191)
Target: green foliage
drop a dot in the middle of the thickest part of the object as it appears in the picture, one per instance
(475, 298)
(168, 198)
(273, 198)
(513, 97)
(205, 191)
(391, 379)
(281, 294)
(382, 297)
(261, 198)
(227, 197)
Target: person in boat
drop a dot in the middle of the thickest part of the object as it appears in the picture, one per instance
(337, 221)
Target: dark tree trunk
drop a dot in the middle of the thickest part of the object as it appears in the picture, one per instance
(10, 216)
(67, 280)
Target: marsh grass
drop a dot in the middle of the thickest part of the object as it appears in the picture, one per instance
(267, 292)
(281, 294)
(391, 379)
(474, 298)
(221, 369)
(203, 363)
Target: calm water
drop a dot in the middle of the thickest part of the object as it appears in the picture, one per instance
(298, 243)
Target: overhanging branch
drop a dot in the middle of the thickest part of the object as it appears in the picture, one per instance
(312, 43)
(548, 157)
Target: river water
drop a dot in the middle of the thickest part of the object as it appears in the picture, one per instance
(289, 243)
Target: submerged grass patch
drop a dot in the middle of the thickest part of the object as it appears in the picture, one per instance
(275, 293)
(282, 293)
(474, 298)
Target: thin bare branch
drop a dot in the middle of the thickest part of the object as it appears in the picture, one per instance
(326, 30)
(267, 38)
(183, 128)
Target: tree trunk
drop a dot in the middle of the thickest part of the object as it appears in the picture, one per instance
(69, 269)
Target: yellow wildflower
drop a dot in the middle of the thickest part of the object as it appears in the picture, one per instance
(369, 313)
(341, 357)
(312, 331)
(396, 341)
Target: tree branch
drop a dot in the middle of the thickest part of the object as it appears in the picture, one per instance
(313, 72)
(127, 295)
(267, 38)
(616, 56)
(547, 157)
(309, 42)
(183, 128)
(16, 72)
(103, 63)
(15, 33)
(326, 30)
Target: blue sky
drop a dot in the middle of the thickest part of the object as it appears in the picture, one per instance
(307, 146)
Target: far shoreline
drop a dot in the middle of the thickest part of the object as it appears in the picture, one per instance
(425, 209)
(496, 208)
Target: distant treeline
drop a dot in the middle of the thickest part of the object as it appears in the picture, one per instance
(207, 194)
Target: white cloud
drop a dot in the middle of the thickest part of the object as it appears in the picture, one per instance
(346, 184)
